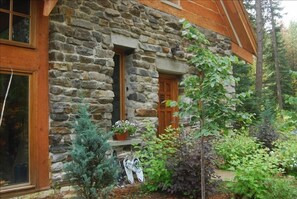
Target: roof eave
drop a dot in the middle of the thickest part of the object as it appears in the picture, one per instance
(241, 31)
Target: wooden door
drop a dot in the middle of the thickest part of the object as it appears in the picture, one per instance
(168, 90)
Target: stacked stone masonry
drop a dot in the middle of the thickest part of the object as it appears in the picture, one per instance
(81, 51)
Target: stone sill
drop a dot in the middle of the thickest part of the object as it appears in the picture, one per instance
(13, 188)
(130, 141)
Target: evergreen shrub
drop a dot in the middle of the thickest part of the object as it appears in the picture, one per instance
(90, 169)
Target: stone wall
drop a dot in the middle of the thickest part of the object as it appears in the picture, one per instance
(83, 35)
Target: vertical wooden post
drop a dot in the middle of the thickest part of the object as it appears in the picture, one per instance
(48, 6)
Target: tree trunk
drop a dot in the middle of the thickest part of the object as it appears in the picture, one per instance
(276, 60)
(202, 168)
(260, 36)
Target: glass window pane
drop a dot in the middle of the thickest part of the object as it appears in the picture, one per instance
(116, 114)
(5, 4)
(22, 6)
(21, 28)
(4, 25)
(14, 136)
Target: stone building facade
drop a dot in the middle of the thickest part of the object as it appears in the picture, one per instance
(84, 36)
(115, 55)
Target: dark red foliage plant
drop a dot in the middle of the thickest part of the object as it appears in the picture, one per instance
(185, 166)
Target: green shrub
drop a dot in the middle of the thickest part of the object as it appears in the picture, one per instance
(286, 152)
(233, 148)
(154, 154)
(281, 188)
(253, 174)
(90, 168)
(186, 168)
(171, 162)
(286, 120)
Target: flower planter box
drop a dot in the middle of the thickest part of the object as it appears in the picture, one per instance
(121, 136)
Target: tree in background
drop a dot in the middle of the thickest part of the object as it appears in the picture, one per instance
(260, 39)
(90, 168)
(276, 56)
(290, 37)
(290, 41)
(250, 8)
(244, 72)
(277, 79)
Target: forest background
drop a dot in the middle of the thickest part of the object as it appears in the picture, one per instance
(273, 78)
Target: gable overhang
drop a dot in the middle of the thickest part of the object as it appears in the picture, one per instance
(240, 29)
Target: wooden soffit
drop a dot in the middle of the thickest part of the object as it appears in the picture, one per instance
(240, 29)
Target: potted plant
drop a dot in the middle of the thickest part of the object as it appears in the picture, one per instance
(123, 128)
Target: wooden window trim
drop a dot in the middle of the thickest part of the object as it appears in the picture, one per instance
(19, 187)
(32, 28)
(175, 4)
(33, 62)
(31, 133)
(34, 140)
(122, 83)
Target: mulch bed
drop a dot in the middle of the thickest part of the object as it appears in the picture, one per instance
(134, 192)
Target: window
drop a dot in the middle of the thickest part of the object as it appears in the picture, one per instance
(15, 21)
(24, 140)
(118, 87)
(14, 129)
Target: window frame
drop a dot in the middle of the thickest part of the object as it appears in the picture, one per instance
(32, 26)
(33, 61)
(122, 82)
(31, 158)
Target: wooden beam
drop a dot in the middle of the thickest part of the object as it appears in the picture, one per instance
(242, 53)
(48, 6)
(42, 101)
